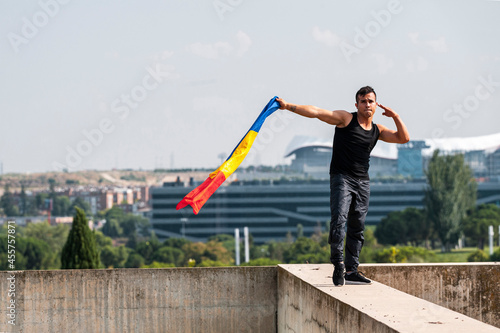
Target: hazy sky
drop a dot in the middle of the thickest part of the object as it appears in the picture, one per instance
(176, 83)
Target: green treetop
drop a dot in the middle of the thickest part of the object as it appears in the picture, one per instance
(80, 250)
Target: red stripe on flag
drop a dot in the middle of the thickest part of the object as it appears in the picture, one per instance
(197, 197)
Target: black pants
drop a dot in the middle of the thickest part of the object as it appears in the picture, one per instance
(348, 205)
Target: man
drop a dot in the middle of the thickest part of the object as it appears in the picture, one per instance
(355, 136)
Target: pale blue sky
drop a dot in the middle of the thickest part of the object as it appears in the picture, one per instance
(175, 83)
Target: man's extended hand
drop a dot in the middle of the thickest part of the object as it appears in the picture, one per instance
(401, 135)
(282, 103)
(388, 112)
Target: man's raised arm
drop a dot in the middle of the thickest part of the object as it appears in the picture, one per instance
(339, 117)
(400, 135)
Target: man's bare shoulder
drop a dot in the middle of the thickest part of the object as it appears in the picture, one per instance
(381, 128)
(343, 118)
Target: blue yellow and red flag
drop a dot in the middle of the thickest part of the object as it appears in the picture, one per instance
(197, 197)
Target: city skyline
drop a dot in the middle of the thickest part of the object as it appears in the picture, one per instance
(176, 84)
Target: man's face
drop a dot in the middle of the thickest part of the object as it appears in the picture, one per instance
(367, 104)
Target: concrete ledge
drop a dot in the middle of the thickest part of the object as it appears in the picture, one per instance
(237, 299)
(287, 298)
(472, 289)
(308, 302)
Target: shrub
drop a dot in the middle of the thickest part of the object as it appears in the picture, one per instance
(477, 256)
(211, 263)
(262, 262)
(156, 264)
(496, 255)
(417, 254)
(390, 255)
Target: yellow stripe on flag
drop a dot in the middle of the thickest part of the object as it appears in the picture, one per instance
(239, 154)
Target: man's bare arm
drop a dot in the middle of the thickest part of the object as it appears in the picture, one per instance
(400, 135)
(338, 118)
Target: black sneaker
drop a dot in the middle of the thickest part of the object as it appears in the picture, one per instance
(338, 275)
(356, 278)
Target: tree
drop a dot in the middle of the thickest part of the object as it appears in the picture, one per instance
(125, 224)
(475, 225)
(147, 249)
(114, 256)
(37, 253)
(217, 252)
(401, 227)
(391, 230)
(7, 203)
(30, 253)
(79, 202)
(276, 250)
(418, 227)
(130, 223)
(212, 250)
(132, 241)
(306, 249)
(135, 260)
(80, 250)
(40, 200)
(167, 254)
(54, 236)
(23, 201)
(114, 213)
(178, 243)
(61, 205)
(450, 192)
(102, 241)
(112, 228)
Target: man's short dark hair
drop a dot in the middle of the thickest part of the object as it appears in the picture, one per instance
(365, 90)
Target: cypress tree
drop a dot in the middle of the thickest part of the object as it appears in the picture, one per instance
(80, 250)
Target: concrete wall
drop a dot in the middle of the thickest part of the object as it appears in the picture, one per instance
(305, 308)
(235, 299)
(308, 302)
(472, 289)
(142, 300)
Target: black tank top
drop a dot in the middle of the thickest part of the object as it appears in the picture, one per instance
(352, 146)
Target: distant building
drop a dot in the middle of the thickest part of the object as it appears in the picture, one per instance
(272, 209)
(481, 153)
(99, 198)
(411, 160)
(312, 156)
(102, 198)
